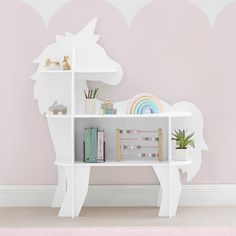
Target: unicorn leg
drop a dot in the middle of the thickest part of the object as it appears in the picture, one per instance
(60, 188)
(67, 209)
(61, 137)
(77, 188)
(81, 187)
(169, 178)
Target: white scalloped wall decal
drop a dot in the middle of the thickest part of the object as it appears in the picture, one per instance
(45, 8)
(129, 8)
(212, 8)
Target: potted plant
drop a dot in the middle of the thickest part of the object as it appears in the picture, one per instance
(183, 141)
(90, 101)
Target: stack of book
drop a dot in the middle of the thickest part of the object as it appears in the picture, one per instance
(94, 145)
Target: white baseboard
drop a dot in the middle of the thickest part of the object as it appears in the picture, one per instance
(119, 195)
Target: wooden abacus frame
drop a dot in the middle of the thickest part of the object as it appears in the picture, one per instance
(159, 146)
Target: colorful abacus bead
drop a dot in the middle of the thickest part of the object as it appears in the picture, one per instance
(124, 147)
(141, 155)
(148, 155)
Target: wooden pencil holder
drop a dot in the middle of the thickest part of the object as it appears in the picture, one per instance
(90, 106)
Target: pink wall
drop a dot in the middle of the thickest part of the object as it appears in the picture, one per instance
(170, 50)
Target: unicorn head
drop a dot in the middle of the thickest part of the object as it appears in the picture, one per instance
(86, 57)
(91, 57)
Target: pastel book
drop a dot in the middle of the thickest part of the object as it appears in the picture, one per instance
(87, 145)
(101, 147)
(94, 143)
(94, 149)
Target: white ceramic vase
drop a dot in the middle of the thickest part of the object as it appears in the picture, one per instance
(181, 154)
(90, 106)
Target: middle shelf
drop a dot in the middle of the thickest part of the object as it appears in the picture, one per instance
(173, 114)
(74, 136)
(70, 146)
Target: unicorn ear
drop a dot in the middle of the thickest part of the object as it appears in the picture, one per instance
(91, 26)
(89, 29)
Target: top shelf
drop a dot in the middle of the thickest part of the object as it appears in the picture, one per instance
(76, 72)
(56, 71)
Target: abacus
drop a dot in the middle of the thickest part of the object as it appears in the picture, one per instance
(148, 144)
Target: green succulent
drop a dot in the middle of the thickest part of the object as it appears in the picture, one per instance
(183, 141)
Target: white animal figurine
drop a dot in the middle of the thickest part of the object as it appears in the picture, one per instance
(52, 65)
(56, 108)
(66, 65)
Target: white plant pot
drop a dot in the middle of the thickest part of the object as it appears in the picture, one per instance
(90, 106)
(181, 154)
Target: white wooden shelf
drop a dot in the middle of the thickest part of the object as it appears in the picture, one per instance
(91, 63)
(125, 163)
(78, 172)
(58, 116)
(156, 115)
(56, 71)
(95, 72)
(97, 116)
(76, 72)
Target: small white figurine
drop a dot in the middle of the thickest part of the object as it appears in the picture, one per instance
(55, 108)
(107, 107)
(66, 65)
(52, 65)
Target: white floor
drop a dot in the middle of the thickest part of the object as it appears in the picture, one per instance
(119, 216)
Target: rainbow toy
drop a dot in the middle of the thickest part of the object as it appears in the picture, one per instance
(144, 103)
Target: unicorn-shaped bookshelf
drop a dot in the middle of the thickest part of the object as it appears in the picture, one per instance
(89, 61)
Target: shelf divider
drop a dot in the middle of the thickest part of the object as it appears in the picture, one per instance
(73, 130)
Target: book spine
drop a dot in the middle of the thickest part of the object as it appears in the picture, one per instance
(90, 146)
(87, 154)
(100, 147)
(94, 144)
